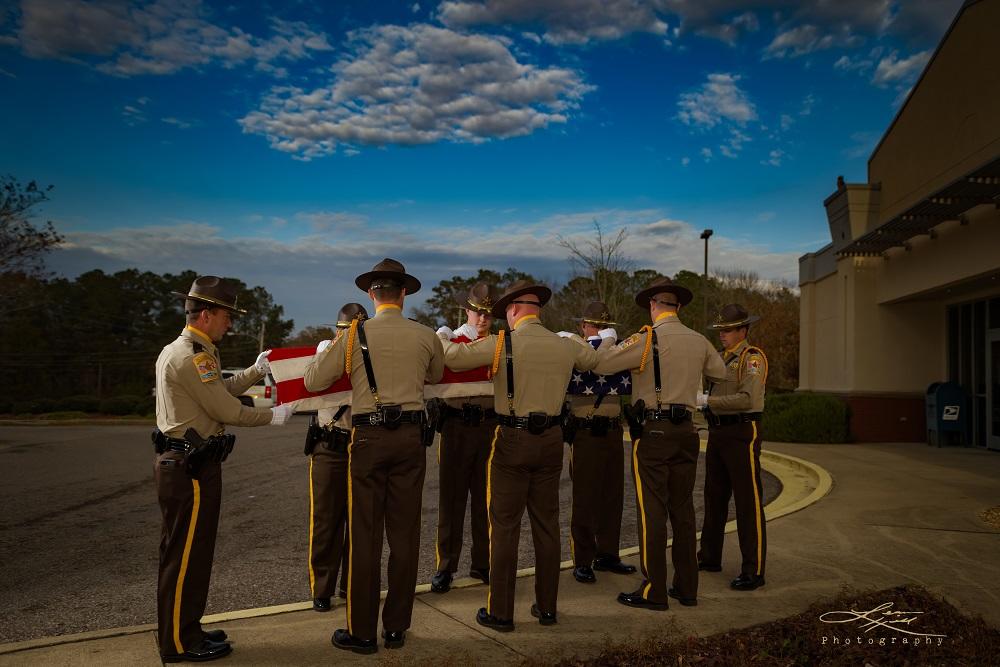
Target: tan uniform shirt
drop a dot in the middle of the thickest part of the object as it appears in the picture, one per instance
(404, 355)
(685, 356)
(190, 391)
(743, 388)
(543, 364)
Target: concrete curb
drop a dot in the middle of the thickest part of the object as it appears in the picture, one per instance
(803, 483)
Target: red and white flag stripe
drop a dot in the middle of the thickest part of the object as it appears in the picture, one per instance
(288, 366)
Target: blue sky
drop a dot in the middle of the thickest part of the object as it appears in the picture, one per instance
(295, 145)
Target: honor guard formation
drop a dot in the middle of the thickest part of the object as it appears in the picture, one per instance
(505, 403)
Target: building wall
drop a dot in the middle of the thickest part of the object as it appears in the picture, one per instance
(949, 125)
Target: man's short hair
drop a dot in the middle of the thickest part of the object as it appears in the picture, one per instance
(192, 309)
(386, 289)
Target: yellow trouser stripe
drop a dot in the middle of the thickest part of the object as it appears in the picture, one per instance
(350, 528)
(312, 520)
(642, 513)
(179, 589)
(489, 519)
(437, 535)
(756, 498)
(572, 546)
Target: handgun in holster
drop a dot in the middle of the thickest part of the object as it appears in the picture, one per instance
(215, 449)
(635, 415)
(159, 441)
(315, 434)
(568, 423)
(434, 413)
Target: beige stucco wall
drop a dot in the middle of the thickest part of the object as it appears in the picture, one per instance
(950, 125)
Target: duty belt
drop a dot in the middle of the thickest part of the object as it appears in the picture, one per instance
(675, 412)
(387, 418)
(536, 421)
(597, 425)
(470, 413)
(728, 420)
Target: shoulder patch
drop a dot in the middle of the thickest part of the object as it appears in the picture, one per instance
(630, 341)
(755, 364)
(205, 365)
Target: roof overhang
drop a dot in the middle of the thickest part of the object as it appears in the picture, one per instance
(981, 186)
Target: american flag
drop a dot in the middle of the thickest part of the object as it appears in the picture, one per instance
(288, 366)
(589, 383)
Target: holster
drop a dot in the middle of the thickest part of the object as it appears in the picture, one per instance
(567, 422)
(435, 412)
(213, 450)
(635, 415)
(537, 422)
(159, 441)
(315, 434)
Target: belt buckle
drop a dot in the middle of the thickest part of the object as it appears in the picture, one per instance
(374, 418)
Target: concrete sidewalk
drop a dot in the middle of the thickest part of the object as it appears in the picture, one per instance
(896, 514)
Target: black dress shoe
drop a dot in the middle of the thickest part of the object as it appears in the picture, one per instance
(441, 581)
(321, 604)
(345, 640)
(612, 564)
(636, 600)
(394, 639)
(709, 568)
(687, 602)
(205, 651)
(584, 575)
(482, 573)
(544, 617)
(747, 582)
(215, 635)
(491, 621)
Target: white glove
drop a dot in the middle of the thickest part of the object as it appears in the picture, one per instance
(702, 400)
(608, 333)
(447, 332)
(564, 334)
(323, 344)
(262, 363)
(280, 414)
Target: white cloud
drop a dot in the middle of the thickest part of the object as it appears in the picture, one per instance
(892, 70)
(295, 270)
(734, 144)
(785, 122)
(161, 37)
(4, 72)
(862, 144)
(563, 21)
(177, 122)
(774, 158)
(706, 153)
(803, 39)
(416, 85)
(685, 161)
(719, 99)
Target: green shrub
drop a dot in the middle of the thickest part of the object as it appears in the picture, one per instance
(145, 406)
(805, 417)
(119, 405)
(6, 407)
(78, 404)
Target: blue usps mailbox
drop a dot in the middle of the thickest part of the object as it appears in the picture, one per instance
(946, 414)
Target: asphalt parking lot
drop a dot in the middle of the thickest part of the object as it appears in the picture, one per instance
(79, 531)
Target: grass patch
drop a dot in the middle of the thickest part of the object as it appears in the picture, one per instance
(798, 640)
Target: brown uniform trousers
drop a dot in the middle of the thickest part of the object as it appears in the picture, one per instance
(386, 476)
(596, 468)
(732, 467)
(524, 472)
(190, 510)
(463, 454)
(328, 543)
(664, 464)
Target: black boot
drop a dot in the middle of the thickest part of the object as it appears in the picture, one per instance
(441, 581)
(747, 582)
(205, 651)
(345, 640)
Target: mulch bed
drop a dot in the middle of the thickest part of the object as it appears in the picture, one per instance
(803, 639)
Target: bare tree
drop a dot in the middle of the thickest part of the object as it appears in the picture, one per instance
(22, 245)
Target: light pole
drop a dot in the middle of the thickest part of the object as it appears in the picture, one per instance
(704, 276)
